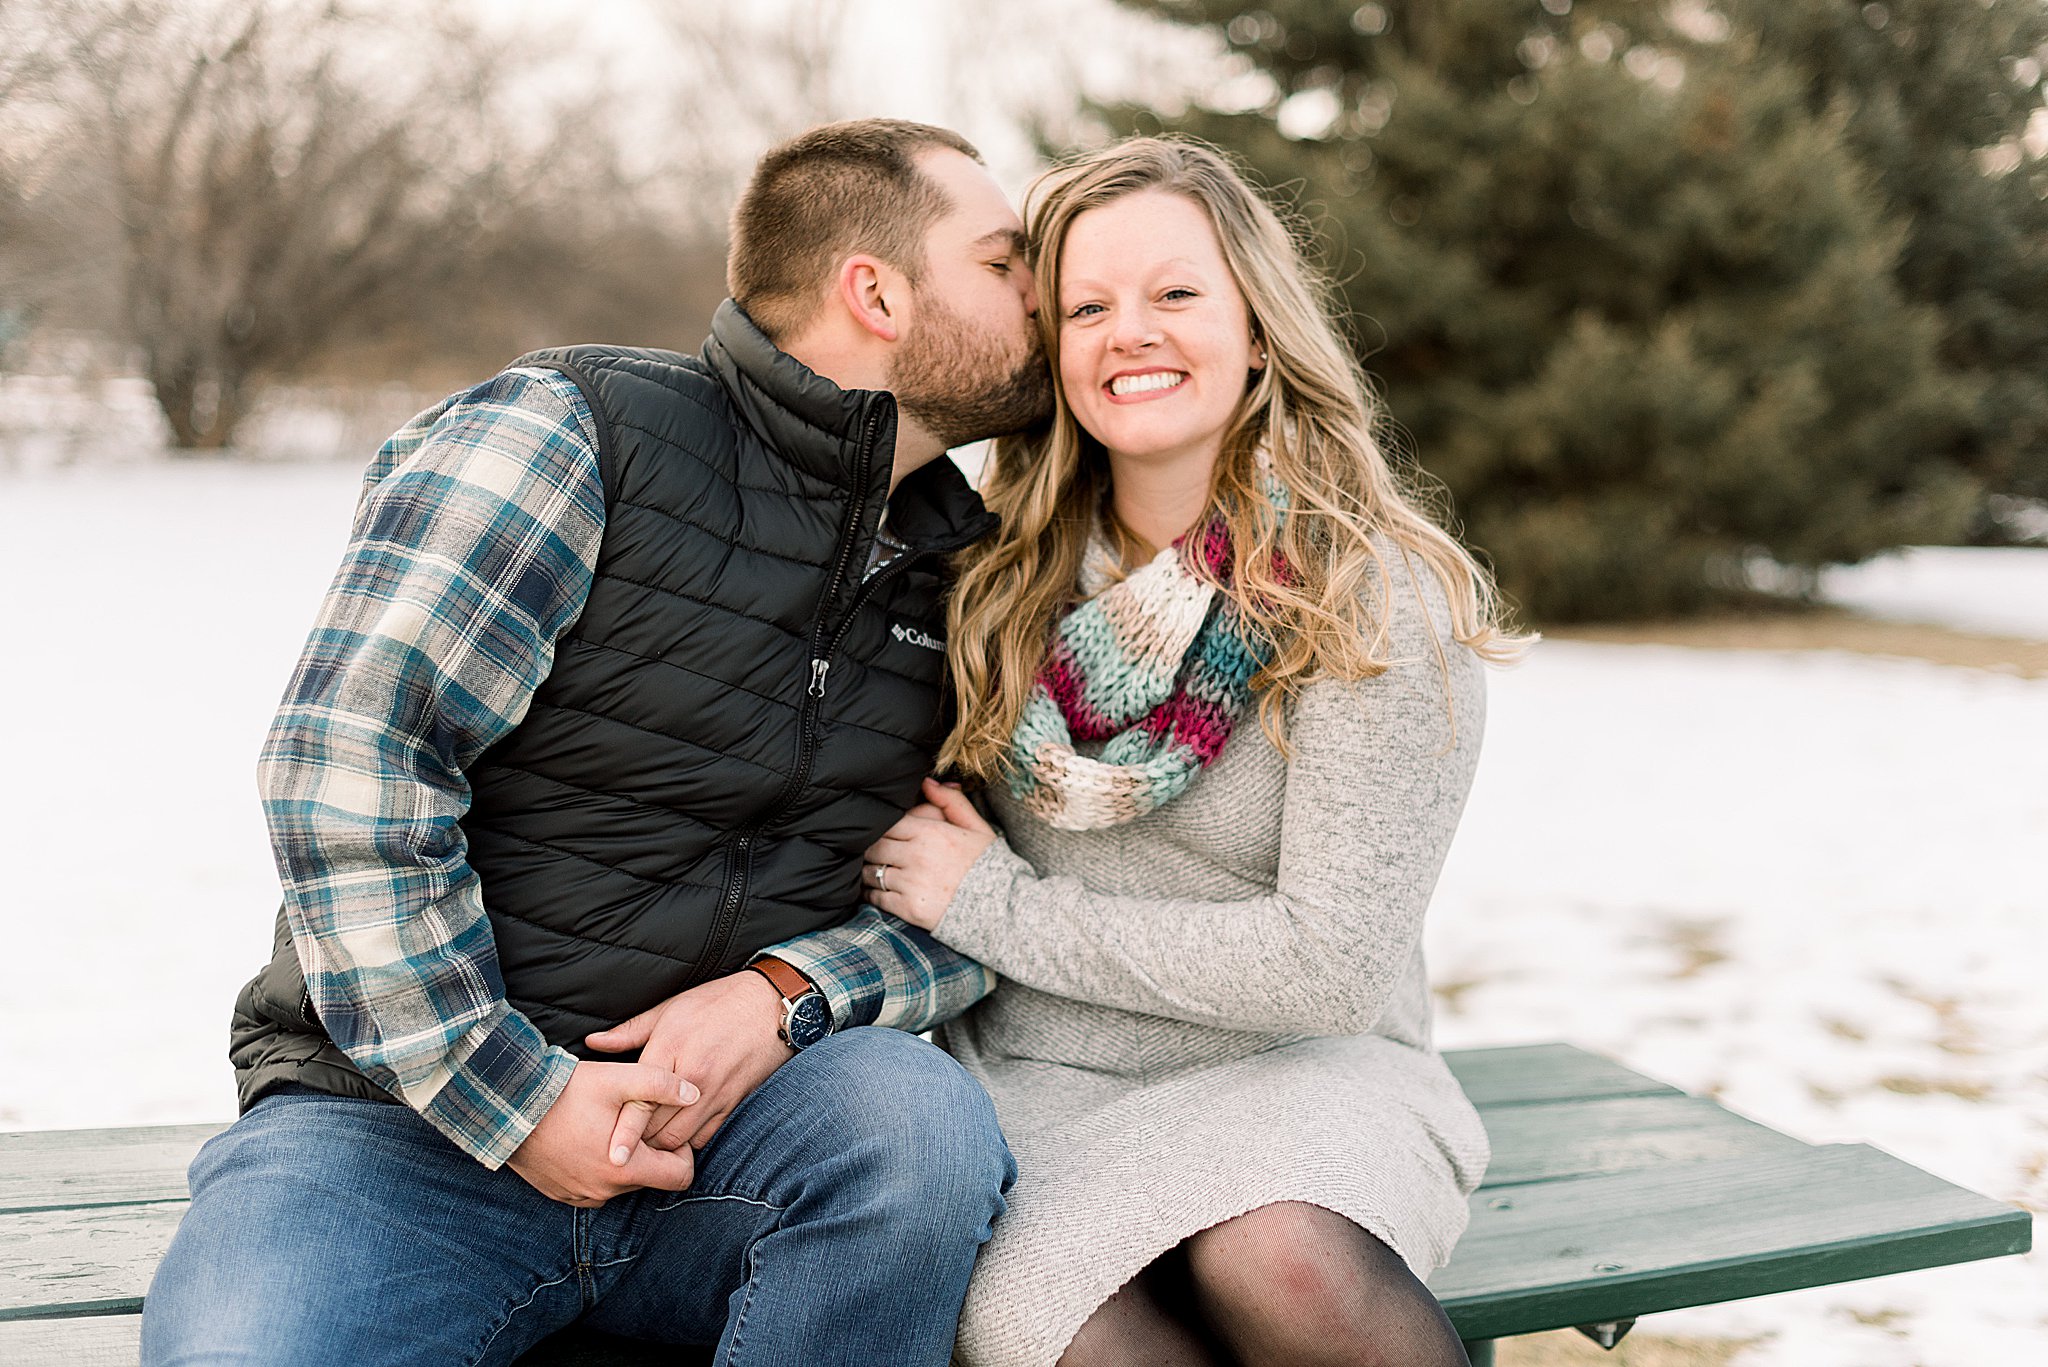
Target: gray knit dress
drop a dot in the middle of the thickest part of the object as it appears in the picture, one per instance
(1222, 1004)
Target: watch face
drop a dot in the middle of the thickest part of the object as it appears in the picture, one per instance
(809, 1020)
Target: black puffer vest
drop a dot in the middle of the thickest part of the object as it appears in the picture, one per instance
(738, 712)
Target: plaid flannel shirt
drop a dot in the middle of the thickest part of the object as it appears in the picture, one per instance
(473, 550)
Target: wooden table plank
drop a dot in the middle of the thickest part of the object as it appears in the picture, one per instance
(62, 1169)
(97, 1260)
(1546, 1142)
(1529, 1073)
(1576, 1251)
(102, 1341)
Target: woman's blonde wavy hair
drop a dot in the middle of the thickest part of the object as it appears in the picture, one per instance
(1306, 421)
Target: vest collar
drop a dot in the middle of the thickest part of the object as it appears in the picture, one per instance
(819, 427)
(935, 509)
(790, 405)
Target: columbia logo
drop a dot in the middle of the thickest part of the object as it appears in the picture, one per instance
(912, 636)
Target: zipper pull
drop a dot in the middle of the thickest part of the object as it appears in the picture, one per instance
(818, 668)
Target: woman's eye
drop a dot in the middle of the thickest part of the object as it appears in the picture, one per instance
(1083, 310)
(1179, 292)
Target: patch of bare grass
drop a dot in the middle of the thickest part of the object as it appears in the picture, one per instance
(2033, 1194)
(1451, 995)
(1902, 1084)
(1569, 1348)
(1796, 628)
(1954, 1033)
(1891, 1320)
(1700, 945)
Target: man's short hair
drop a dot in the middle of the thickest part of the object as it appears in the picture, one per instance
(835, 191)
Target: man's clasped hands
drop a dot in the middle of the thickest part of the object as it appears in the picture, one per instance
(618, 1127)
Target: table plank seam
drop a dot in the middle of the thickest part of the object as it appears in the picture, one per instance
(97, 1205)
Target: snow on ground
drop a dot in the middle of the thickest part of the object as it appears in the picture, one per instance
(155, 616)
(1997, 591)
(75, 411)
(1811, 882)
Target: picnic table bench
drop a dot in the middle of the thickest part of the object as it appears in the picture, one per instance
(1611, 1196)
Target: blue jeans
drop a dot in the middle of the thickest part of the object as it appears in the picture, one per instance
(834, 1219)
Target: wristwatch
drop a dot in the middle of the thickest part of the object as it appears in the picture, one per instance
(806, 1015)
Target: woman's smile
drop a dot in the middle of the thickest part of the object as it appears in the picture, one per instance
(1137, 386)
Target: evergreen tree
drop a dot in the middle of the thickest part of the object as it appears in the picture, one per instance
(1937, 96)
(1640, 318)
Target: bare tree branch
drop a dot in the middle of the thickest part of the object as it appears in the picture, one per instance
(295, 175)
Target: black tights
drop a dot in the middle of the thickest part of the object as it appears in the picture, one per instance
(1290, 1284)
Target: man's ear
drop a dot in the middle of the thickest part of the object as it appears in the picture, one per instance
(866, 288)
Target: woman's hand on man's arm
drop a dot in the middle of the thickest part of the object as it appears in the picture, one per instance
(916, 866)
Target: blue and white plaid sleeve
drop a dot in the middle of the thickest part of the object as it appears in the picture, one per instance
(877, 970)
(473, 550)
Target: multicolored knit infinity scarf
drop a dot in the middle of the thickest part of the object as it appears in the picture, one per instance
(1159, 665)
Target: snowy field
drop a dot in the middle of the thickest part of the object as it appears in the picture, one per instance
(1812, 883)
(1995, 591)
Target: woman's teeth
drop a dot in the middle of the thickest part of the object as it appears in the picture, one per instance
(1139, 384)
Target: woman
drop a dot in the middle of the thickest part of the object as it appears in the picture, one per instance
(1210, 1050)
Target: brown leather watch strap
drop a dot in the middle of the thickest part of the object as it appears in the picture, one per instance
(790, 982)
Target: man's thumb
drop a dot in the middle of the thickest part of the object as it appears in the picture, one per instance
(631, 1034)
(657, 1086)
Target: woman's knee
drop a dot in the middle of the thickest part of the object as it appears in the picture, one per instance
(1297, 1282)
(1284, 1252)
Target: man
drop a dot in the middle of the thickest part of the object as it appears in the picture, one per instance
(630, 656)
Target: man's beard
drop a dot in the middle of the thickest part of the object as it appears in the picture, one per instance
(956, 381)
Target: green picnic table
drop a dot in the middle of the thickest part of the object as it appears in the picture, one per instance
(1611, 1196)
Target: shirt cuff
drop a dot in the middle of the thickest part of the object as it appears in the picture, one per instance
(841, 968)
(504, 1080)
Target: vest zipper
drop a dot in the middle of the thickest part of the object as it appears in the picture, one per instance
(807, 744)
(739, 860)
(867, 589)
(739, 868)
